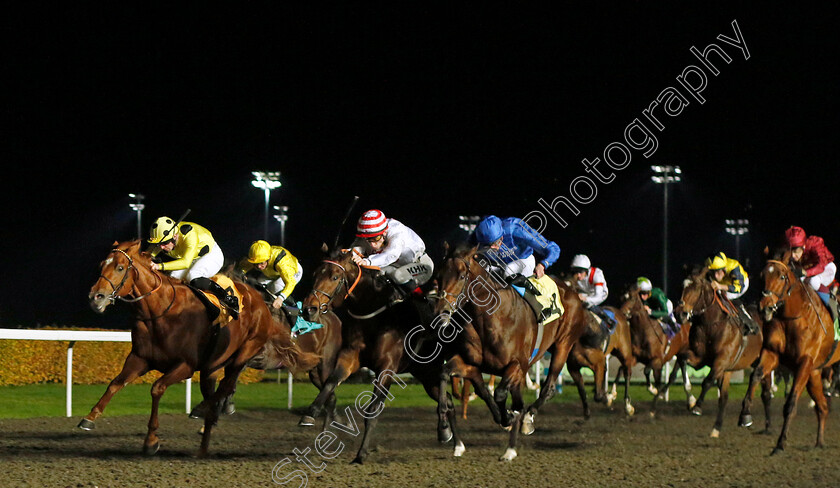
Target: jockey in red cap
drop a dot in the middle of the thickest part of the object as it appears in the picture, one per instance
(817, 262)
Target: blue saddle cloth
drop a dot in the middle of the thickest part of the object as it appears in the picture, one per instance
(303, 326)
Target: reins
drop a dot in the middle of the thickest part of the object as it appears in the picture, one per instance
(116, 289)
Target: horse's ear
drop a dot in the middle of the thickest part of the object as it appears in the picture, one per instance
(115, 244)
(446, 248)
(325, 248)
(766, 250)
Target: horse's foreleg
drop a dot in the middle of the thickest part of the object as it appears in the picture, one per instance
(371, 411)
(722, 399)
(656, 366)
(690, 401)
(207, 385)
(800, 380)
(226, 388)
(767, 362)
(574, 372)
(628, 407)
(515, 378)
(133, 368)
(346, 364)
(815, 389)
(598, 364)
(708, 382)
(443, 401)
(179, 373)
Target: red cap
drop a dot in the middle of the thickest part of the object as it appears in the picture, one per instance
(795, 236)
(372, 224)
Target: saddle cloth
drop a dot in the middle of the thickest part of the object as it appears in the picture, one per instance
(549, 296)
(224, 315)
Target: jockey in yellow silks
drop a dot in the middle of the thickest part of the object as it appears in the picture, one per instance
(196, 255)
(279, 270)
(730, 278)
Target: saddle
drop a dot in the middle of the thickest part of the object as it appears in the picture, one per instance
(542, 295)
(218, 314)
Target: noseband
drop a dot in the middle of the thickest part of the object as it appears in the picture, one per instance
(784, 277)
(323, 307)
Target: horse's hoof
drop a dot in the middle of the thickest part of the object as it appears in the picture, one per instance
(652, 414)
(745, 421)
(715, 434)
(151, 450)
(459, 449)
(358, 460)
(200, 431)
(527, 424)
(691, 402)
(86, 424)
(653, 391)
(629, 410)
(776, 450)
(444, 434)
(306, 421)
(229, 408)
(697, 411)
(199, 411)
(509, 454)
(766, 431)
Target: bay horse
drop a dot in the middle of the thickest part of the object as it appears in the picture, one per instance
(716, 340)
(652, 347)
(376, 333)
(800, 336)
(172, 333)
(496, 332)
(589, 352)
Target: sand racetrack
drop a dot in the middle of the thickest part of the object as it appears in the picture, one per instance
(608, 450)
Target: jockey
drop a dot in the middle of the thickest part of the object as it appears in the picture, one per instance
(729, 278)
(816, 261)
(592, 287)
(515, 243)
(656, 303)
(396, 249)
(277, 269)
(197, 257)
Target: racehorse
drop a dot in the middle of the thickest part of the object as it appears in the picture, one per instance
(589, 352)
(376, 333)
(652, 348)
(174, 334)
(716, 340)
(799, 336)
(496, 332)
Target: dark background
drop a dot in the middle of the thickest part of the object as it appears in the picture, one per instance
(425, 113)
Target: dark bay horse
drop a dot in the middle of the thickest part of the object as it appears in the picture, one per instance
(376, 334)
(589, 352)
(173, 334)
(800, 336)
(497, 333)
(652, 348)
(716, 340)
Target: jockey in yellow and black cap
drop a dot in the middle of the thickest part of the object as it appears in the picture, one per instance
(197, 256)
(279, 270)
(730, 278)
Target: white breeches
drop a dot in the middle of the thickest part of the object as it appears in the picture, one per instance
(733, 296)
(823, 279)
(276, 285)
(204, 267)
(525, 267)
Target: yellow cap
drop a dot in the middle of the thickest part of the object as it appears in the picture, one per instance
(162, 230)
(259, 252)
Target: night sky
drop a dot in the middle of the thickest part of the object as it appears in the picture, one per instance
(424, 113)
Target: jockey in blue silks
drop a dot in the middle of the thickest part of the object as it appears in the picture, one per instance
(514, 244)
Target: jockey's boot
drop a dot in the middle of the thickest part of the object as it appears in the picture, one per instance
(609, 320)
(412, 291)
(522, 282)
(750, 327)
(226, 297)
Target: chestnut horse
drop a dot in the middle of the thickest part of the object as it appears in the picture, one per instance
(375, 334)
(588, 352)
(652, 348)
(173, 334)
(496, 332)
(799, 336)
(716, 340)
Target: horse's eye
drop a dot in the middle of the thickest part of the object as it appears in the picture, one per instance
(335, 278)
(462, 277)
(120, 268)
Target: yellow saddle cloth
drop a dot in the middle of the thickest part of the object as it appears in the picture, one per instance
(224, 314)
(549, 296)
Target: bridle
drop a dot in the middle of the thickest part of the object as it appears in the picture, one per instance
(783, 275)
(127, 299)
(116, 289)
(691, 313)
(453, 304)
(323, 307)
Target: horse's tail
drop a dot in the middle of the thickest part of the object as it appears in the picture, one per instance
(280, 351)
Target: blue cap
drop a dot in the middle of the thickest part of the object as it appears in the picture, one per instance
(489, 230)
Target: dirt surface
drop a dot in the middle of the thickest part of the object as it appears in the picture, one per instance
(608, 450)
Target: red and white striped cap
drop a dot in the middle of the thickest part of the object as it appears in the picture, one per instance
(372, 224)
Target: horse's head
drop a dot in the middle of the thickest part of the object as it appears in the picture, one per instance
(117, 275)
(778, 284)
(696, 296)
(334, 280)
(631, 302)
(454, 276)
